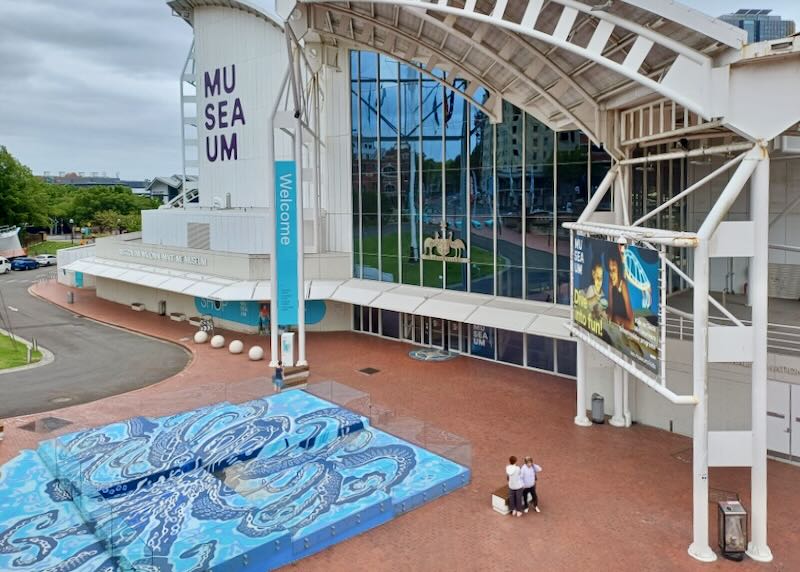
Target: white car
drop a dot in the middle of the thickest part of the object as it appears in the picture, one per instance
(5, 265)
(46, 259)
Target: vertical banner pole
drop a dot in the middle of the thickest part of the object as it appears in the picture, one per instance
(296, 77)
(273, 257)
(662, 316)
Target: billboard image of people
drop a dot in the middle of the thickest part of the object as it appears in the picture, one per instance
(616, 297)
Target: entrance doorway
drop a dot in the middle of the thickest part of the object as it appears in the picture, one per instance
(783, 419)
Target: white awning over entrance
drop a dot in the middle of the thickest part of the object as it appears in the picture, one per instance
(496, 312)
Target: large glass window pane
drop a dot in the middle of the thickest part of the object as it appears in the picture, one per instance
(571, 198)
(357, 318)
(389, 161)
(481, 181)
(510, 346)
(374, 325)
(369, 112)
(455, 182)
(390, 324)
(369, 226)
(540, 352)
(567, 356)
(410, 140)
(508, 186)
(432, 167)
(356, 161)
(539, 222)
(600, 164)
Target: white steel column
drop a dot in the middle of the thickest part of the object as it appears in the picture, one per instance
(626, 411)
(298, 160)
(699, 548)
(759, 266)
(618, 419)
(622, 186)
(580, 385)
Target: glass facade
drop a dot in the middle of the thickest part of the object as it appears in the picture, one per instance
(428, 164)
(515, 348)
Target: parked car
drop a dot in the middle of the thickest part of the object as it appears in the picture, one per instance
(5, 265)
(24, 264)
(46, 259)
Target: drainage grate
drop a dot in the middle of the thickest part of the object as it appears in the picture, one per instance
(45, 425)
(684, 456)
(369, 371)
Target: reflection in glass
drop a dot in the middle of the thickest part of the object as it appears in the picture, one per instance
(567, 357)
(540, 352)
(510, 346)
(539, 223)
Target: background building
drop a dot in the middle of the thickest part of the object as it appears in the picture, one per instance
(760, 24)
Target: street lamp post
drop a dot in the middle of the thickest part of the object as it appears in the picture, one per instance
(72, 231)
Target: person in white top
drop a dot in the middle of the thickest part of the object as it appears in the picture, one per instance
(528, 474)
(515, 486)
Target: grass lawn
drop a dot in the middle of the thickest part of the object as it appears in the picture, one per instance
(48, 247)
(480, 259)
(15, 354)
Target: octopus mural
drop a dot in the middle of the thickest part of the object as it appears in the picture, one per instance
(161, 494)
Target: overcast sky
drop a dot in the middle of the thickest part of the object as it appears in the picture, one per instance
(92, 85)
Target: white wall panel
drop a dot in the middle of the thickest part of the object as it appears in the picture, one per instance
(337, 160)
(225, 38)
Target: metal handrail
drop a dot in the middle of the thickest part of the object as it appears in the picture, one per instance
(781, 338)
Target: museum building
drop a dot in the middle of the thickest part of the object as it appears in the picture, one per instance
(448, 155)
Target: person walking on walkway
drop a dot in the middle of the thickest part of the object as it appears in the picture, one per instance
(514, 487)
(528, 473)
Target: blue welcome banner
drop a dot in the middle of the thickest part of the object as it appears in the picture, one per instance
(286, 241)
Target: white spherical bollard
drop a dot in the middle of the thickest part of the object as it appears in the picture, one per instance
(256, 353)
(217, 342)
(236, 347)
(201, 337)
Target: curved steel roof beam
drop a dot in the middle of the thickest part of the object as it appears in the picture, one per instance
(362, 45)
(424, 18)
(689, 63)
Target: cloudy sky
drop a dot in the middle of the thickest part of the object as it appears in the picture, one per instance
(92, 85)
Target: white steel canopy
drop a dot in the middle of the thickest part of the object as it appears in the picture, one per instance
(563, 61)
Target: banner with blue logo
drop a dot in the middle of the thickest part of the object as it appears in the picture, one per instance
(286, 241)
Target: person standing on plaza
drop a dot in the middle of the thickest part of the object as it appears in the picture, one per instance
(528, 474)
(514, 487)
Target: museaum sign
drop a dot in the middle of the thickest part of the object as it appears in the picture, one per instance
(223, 111)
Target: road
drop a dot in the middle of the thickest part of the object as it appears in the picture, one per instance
(92, 360)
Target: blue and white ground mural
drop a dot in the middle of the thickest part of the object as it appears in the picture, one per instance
(248, 487)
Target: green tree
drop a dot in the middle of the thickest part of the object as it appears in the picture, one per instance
(107, 220)
(22, 200)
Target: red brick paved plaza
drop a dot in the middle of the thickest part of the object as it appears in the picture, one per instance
(611, 499)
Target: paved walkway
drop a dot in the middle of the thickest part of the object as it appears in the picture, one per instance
(92, 361)
(611, 498)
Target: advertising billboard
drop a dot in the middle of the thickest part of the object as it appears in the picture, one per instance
(616, 297)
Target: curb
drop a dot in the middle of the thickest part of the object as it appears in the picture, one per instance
(47, 356)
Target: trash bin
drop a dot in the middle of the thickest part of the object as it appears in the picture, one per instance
(70, 297)
(598, 408)
(162, 307)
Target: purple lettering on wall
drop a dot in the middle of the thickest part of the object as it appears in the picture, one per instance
(209, 116)
(222, 114)
(237, 114)
(211, 157)
(222, 146)
(232, 86)
(231, 151)
(212, 87)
